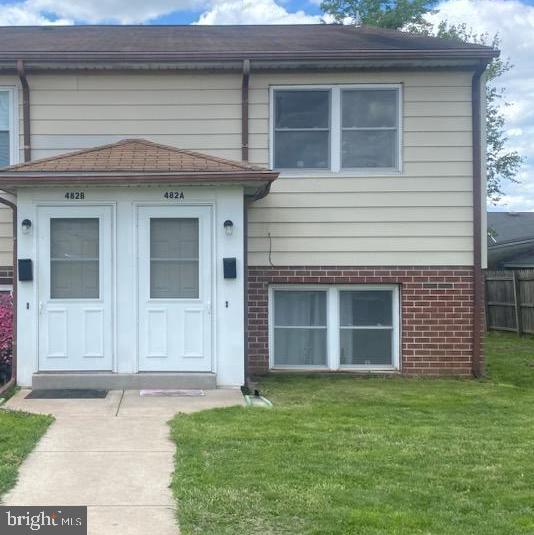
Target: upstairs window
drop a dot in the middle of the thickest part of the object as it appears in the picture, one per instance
(8, 149)
(369, 123)
(302, 129)
(337, 128)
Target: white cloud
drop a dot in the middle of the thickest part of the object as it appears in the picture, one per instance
(24, 14)
(253, 12)
(121, 11)
(514, 22)
(39, 12)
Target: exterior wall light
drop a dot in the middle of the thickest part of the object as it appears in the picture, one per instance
(228, 227)
(26, 226)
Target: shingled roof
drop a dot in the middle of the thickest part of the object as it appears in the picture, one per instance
(134, 160)
(510, 227)
(197, 42)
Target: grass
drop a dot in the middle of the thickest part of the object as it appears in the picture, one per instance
(19, 433)
(340, 455)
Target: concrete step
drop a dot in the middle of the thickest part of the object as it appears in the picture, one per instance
(123, 381)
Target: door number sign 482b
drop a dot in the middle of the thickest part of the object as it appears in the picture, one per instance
(75, 195)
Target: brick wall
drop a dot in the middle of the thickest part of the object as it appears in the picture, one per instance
(436, 307)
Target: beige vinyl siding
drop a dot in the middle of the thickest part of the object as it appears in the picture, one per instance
(421, 216)
(6, 216)
(6, 236)
(193, 111)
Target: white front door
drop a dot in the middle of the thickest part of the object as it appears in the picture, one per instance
(74, 286)
(174, 269)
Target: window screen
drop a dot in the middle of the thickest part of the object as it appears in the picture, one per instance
(74, 258)
(5, 148)
(174, 258)
(366, 327)
(302, 129)
(300, 328)
(369, 128)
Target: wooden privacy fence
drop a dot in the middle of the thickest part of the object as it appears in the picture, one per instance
(510, 301)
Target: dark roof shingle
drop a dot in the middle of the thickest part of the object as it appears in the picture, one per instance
(232, 42)
(509, 227)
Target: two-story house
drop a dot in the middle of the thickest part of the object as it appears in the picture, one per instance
(197, 204)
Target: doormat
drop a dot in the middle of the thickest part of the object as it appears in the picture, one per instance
(67, 393)
(172, 393)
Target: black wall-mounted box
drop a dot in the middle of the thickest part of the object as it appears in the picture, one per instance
(25, 269)
(230, 268)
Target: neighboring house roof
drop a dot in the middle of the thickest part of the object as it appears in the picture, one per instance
(510, 240)
(197, 42)
(132, 160)
(509, 227)
(522, 261)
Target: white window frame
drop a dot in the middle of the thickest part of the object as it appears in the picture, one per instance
(13, 123)
(333, 326)
(336, 131)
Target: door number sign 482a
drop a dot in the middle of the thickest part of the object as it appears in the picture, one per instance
(178, 195)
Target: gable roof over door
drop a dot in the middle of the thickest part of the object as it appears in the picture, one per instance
(133, 161)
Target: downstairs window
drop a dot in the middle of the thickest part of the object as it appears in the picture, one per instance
(334, 327)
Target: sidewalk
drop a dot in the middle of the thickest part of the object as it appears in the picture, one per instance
(113, 455)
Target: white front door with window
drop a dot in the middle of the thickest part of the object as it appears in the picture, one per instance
(174, 287)
(74, 292)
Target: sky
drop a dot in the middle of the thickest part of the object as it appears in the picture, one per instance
(513, 20)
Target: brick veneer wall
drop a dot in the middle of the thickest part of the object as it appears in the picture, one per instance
(436, 307)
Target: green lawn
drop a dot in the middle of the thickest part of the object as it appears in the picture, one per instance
(380, 455)
(19, 433)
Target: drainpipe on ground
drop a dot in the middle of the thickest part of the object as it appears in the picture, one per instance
(476, 365)
(13, 380)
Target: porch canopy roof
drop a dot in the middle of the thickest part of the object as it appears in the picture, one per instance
(134, 161)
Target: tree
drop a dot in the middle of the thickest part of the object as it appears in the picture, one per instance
(502, 164)
(392, 14)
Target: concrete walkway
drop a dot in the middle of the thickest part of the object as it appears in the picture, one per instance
(113, 455)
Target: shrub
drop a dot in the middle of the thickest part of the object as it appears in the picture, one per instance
(6, 336)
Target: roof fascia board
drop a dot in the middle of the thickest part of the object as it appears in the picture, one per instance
(511, 243)
(263, 65)
(13, 180)
(317, 55)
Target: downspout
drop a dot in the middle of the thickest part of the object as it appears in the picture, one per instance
(25, 110)
(476, 365)
(245, 285)
(13, 380)
(244, 110)
(247, 201)
(244, 157)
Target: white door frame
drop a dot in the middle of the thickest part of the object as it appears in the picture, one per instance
(213, 279)
(37, 207)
